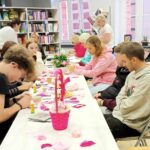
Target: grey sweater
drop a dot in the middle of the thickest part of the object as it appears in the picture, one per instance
(133, 101)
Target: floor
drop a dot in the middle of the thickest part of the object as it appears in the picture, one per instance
(125, 145)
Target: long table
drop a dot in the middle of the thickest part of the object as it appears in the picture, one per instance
(28, 135)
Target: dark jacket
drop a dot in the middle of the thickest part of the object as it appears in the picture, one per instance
(109, 94)
(13, 89)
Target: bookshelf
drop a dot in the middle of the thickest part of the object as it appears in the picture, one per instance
(44, 21)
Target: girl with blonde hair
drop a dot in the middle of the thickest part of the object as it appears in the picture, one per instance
(102, 66)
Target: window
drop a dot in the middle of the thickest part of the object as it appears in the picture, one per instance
(73, 18)
(80, 13)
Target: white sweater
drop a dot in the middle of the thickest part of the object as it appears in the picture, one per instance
(7, 34)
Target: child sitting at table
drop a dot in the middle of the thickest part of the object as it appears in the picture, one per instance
(16, 64)
(33, 48)
(87, 57)
(102, 66)
(36, 37)
(15, 88)
(79, 48)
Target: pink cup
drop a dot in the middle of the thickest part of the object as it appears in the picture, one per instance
(60, 120)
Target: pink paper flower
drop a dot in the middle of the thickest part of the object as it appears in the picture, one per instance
(46, 145)
(87, 143)
(64, 63)
(57, 54)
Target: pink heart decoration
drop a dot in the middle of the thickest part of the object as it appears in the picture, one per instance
(44, 108)
(46, 145)
(78, 105)
(73, 99)
(41, 137)
(87, 143)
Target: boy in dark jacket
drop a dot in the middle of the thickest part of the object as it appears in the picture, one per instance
(107, 97)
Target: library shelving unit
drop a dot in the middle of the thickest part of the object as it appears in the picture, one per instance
(44, 21)
(7, 14)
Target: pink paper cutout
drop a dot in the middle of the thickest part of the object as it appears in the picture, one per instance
(87, 143)
(44, 108)
(42, 94)
(79, 105)
(41, 137)
(75, 77)
(73, 99)
(60, 146)
(46, 145)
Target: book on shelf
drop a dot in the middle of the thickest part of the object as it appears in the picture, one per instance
(37, 27)
(1, 16)
(47, 39)
(13, 14)
(23, 16)
(56, 27)
(30, 15)
(22, 40)
(43, 21)
(23, 28)
(5, 15)
(53, 27)
(37, 15)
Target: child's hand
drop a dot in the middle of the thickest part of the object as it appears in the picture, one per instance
(71, 68)
(25, 101)
(97, 95)
(100, 102)
(25, 86)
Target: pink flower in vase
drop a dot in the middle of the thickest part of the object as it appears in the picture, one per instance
(58, 54)
(64, 63)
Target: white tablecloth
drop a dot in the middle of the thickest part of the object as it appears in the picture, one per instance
(88, 119)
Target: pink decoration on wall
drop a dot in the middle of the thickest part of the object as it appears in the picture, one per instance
(85, 5)
(64, 20)
(86, 25)
(74, 6)
(128, 6)
(76, 25)
(86, 15)
(75, 16)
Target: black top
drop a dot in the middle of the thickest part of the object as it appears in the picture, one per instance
(4, 89)
(112, 91)
(13, 89)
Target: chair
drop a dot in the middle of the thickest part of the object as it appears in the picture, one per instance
(139, 148)
(144, 135)
(141, 140)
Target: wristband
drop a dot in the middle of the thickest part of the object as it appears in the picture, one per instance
(19, 105)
